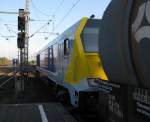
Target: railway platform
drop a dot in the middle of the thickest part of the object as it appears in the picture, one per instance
(46, 112)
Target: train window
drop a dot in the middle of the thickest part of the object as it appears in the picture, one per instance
(66, 47)
(38, 60)
(90, 36)
(90, 39)
(55, 57)
(42, 59)
(46, 57)
(50, 55)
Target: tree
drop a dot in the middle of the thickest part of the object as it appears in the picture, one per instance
(4, 61)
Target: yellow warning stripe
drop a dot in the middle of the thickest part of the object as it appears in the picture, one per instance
(83, 65)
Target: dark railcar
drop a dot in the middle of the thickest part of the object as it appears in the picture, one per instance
(125, 48)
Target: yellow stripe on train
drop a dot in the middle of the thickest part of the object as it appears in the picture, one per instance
(83, 65)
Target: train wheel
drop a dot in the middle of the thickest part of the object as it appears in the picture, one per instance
(63, 96)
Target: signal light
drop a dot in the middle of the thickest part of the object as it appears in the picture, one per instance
(21, 23)
(21, 20)
(21, 40)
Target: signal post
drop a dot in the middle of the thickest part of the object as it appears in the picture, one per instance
(21, 45)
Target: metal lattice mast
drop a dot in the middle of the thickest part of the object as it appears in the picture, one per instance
(26, 49)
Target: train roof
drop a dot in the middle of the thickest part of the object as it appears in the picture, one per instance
(71, 29)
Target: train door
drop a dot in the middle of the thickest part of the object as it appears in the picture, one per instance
(38, 60)
(66, 53)
(63, 57)
(60, 55)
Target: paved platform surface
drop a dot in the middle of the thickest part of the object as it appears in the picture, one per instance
(51, 112)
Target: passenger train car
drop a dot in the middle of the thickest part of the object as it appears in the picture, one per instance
(72, 61)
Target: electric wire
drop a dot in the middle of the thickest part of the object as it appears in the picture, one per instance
(58, 7)
(34, 20)
(65, 16)
(41, 12)
(53, 15)
(1, 35)
(39, 29)
(55, 11)
(68, 12)
(10, 30)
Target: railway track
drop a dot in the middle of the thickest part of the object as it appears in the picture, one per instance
(5, 80)
(3, 76)
(6, 84)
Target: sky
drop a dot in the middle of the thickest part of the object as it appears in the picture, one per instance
(42, 11)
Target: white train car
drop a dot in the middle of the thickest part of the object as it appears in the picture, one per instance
(72, 61)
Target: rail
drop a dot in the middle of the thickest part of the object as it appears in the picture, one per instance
(5, 82)
(2, 77)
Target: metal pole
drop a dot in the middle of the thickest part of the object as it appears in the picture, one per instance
(18, 56)
(21, 70)
(24, 52)
(5, 12)
(26, 49)
(19, 82)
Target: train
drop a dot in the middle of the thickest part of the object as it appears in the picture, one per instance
(72, 61)
(104, 64)
(124, 47)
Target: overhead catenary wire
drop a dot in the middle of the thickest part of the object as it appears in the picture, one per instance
(55, 11)
(62, 20)
(36, 14)
(11, 24)
(40, 11)
(65, 16)
(43, 13)
(7, 37)
(1, 35)
(10, 29)
(37, 20)
(58, 7)
(68, 12)
(39, 29)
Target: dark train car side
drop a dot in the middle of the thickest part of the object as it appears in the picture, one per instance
(124, 47)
